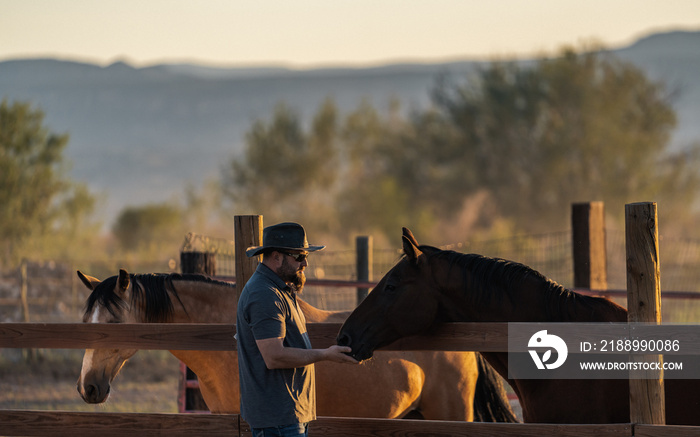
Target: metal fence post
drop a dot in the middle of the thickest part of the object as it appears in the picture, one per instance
(364, 249)
(588, 242)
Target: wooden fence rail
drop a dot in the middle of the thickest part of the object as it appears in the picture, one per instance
(491, 337)
(71, 424)
(166, 336)
(485, 337)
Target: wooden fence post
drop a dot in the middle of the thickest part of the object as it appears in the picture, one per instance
(647, 401)
(189, 398)
(364, 251)
(23, 293)
(247, 232)
(588, 238)
(30, 355)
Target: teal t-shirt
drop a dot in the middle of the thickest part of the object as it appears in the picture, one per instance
(267, 308)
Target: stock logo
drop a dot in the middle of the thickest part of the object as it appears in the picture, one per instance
(551, 342)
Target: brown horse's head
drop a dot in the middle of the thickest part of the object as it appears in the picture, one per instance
(404, 302)
(109, 302)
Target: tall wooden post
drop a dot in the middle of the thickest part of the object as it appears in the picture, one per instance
(23, 293)
(588, 237)
(647, 401)
(364, 261)
(247, 232)
(29, 355)
(190, 398)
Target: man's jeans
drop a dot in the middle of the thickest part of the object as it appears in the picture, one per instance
(295, 430)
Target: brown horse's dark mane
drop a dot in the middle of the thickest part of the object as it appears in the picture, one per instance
(151, 290)
(496, 279)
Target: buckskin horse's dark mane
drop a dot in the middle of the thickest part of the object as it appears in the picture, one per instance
(152, 290)
(493, 278)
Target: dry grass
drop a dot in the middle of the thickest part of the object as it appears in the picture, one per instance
(148, 383)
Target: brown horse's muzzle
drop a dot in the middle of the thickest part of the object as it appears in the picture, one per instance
(360, 352)
(94, 390)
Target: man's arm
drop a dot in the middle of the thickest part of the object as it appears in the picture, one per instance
(277, 356)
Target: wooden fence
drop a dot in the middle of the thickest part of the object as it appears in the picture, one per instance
(452, 337)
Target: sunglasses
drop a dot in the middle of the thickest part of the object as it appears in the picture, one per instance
(298, 257)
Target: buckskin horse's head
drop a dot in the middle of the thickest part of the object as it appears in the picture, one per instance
(109, 302)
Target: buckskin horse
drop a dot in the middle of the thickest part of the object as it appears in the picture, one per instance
(434, 385)
(429, 286)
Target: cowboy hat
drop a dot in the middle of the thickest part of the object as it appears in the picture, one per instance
(284, 236)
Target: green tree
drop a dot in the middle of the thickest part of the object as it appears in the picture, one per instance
(149, 227)
(400, 171)
(577, 127)
(286, 173)
(371, 198)
(39, 204)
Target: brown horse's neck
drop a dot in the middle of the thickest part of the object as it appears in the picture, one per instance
(530, 298)
(536, 301)
(217, 372)
(216, 303)
(204, 302)
(315, 315)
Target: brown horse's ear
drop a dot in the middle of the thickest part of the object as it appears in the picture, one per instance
(123, 281)
(411, 250)
(408, 234)
(90, 282)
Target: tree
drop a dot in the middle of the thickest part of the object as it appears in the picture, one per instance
(286, 173)
(577, 127)
(148, 227)
(38, 201)
(373, 197)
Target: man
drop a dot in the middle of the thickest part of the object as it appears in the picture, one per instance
(275, 357)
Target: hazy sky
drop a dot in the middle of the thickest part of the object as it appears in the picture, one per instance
(305, 33)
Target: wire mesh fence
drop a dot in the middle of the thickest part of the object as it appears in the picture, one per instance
(550, 253)
(55, 294)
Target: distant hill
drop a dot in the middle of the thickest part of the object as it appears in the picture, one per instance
(673, 58)
(138, 135)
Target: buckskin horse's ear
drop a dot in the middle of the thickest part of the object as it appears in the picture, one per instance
(123, 281)
(90, 282)
(411, 250)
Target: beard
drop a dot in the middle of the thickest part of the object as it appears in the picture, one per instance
(293, 277)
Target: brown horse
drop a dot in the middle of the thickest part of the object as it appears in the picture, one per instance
(438, 385)
(430, 286)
